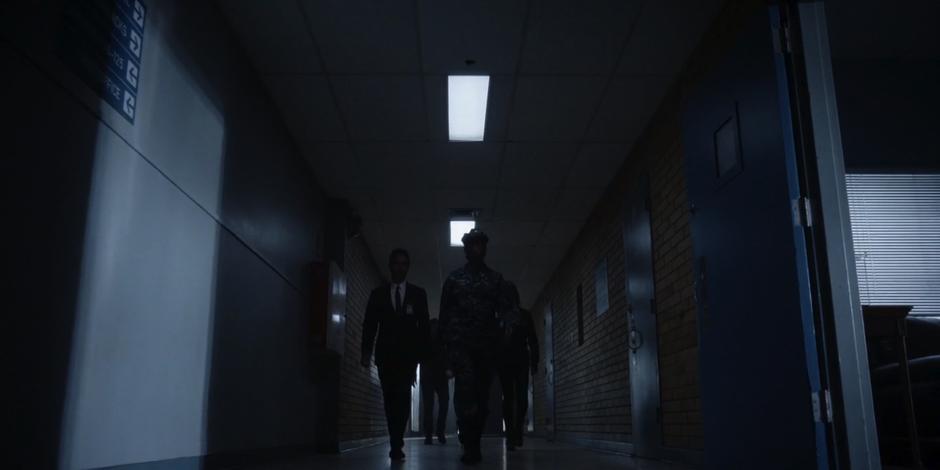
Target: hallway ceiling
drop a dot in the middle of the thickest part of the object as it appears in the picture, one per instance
(361, 85)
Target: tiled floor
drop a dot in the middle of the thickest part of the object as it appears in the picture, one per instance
(537, 454)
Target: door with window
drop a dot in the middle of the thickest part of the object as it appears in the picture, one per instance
(762, 401)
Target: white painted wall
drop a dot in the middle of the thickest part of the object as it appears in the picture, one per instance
(191, 316)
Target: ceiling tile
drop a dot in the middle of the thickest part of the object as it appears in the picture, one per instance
(530, 204)
(554, 108)
(362, 36)
(307, 106)
(464, 164)
(382, 108)
(252, 18)
(577, 37)
(487, 31)
(336, 169)
(596, 164)
(396, 165)
(497, 107)
(627, 107)
(665, 35)
(576, 204)
(412, 236)
(404, 205)
(280, 55)
(561, 232)
(533, 164)
(474, 198)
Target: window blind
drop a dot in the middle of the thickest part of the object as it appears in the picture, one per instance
(896, 232)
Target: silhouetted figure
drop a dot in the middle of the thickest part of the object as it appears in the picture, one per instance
(471, 302)
(434, 381)
(399, 311)
(520, 356)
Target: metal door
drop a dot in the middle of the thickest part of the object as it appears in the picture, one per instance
(641, 318)
(549, 374)
(761, 399)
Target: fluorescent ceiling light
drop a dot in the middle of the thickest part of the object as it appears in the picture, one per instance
(466, 106)
(458, 228)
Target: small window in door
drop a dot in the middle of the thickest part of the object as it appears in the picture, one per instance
(602, 301)
(728, 148)
(580, 303)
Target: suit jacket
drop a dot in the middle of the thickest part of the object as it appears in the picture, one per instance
(402, 336)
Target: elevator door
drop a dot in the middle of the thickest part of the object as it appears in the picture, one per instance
(759, 371)
(641, 319)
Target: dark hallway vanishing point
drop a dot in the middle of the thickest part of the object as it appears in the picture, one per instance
(722, 216)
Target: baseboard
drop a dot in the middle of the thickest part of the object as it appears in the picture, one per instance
(220, 460)
(183, 463)
(686, 456)
(356, 444)
(668, 454)
(616, 447)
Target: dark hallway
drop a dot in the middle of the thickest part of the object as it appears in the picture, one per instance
(649, 234)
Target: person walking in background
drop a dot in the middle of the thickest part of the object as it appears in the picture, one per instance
(520, 356)
(399, 313)
(434, 381)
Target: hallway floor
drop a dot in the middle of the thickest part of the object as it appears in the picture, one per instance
(537, 454)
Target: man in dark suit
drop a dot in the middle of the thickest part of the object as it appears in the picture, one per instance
(399, 312)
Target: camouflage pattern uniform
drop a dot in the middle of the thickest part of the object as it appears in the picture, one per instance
(472, 302)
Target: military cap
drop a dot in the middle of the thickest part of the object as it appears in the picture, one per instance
(473, 235)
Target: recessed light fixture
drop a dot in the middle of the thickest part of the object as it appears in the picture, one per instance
(466, 106)
(458, 227)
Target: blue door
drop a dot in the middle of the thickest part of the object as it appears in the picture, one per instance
(759, 369)
(641, 320)
(549, 361)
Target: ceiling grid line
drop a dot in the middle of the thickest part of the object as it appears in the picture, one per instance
(580, 144)
(424, 83)
(357, 161)
(512, 95)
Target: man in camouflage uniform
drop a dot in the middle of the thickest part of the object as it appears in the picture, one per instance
(473, 303)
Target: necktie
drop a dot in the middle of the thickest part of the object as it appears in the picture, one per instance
(398, 298)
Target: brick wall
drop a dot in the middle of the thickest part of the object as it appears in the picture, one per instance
(361, 413)
(592, 388)
(677, 329)
(592, 385)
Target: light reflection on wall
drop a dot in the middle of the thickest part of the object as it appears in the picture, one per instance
(140, 365)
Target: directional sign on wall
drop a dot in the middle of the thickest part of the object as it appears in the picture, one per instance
(102, 41)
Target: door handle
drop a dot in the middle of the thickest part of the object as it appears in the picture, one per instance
(634, 339)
